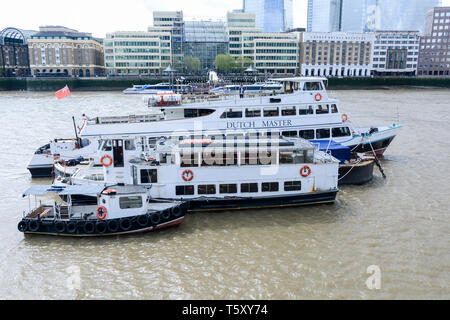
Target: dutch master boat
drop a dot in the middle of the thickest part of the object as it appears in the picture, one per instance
(304, 110)
(157, 88)
(219, 174)
(116, 210)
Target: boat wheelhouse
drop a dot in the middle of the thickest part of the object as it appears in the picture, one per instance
(218, 174)
(304, 110)
(116, 210)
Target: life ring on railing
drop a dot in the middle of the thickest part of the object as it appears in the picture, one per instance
(344, 117)
(106, 156)
(318, 97)
(101, 212)
(305, 171)
(187, 175)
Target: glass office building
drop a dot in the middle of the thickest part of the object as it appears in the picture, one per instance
(205, 40)
(271, 15)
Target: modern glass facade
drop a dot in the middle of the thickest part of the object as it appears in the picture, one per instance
(205, 40)
(271, 15)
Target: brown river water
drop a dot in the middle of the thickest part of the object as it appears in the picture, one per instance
(398, 226)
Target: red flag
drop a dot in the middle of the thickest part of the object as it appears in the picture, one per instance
(64, 92)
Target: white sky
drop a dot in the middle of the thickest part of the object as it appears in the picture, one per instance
(102, 16)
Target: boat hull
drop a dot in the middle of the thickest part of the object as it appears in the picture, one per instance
(376, 148)
(356, 174)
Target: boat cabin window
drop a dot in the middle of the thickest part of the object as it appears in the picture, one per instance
(306, 134)
(253, 112)
(305, 110)
(149, 176)
(288, 111)
(286, 157)
(269, 187)
(206, 189)
(130, 202)
(249, 187)
(312, 86)
(129, 145)
(184, 190)
(228, 188)
(195, 113)
(292, 186)
(334, 108)
(322, 133)
(323, 109)
(232, 113)
(118, 153)
(107, 145)
(340, 132)
(271, 112)
(289, 133)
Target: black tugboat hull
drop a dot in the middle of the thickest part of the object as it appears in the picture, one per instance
(356, 174)
(41, 171)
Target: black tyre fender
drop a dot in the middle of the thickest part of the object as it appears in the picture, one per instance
(176, 211)
(142, 220)
(89, 227)
(33, 225)
(101, 227)
(113, 226)
(125, 224)
(71, 227)
(22, 226)
(60, 226)
(155, 218)
(165, 215)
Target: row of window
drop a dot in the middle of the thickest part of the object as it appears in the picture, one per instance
(324, 133)
(275, 111)
(233, 188)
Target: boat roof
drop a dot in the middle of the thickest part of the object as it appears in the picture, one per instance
(63, 190)
(299, 79)
(126, 189)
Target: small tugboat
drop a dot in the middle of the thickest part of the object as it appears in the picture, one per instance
(119, 210)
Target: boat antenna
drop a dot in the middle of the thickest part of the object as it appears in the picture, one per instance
(76, 134)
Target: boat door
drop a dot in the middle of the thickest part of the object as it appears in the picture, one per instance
(118, 153)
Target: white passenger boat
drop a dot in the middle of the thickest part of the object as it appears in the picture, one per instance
(304, 110)
(157, 88)
(116, 210)
(229, 173)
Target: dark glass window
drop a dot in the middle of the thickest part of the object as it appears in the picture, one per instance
(292, 186)
(322, 109)
(306, 134)
(271, 112)
(249, 187)
(269, 187)
(305, 110)
(340, 132)
(149, 176)
(184, 190)
(206, 189)
(228, 188)
(322, 133)
(288, 111)
(252, 112)
(289, 133)
(334, 108)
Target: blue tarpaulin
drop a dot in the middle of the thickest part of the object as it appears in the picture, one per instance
(337, 150)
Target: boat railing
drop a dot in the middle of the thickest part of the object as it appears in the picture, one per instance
(127, 119)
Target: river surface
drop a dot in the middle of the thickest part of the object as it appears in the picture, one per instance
(398, 226)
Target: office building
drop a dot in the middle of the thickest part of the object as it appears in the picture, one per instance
(271, 15)
(14, 58)
(396, 53)
(323, 15)
(434, 51)
(336, 54)
(60, 51)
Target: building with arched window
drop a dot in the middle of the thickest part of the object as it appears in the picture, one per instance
(60, 51)
(14, 60)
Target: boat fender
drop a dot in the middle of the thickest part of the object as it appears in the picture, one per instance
(113, 226)
(101, 227)
(142, 220)
(89, 227)
(71, 227)
(106, 164)
(33, 225)
(60, 226)
(155, 218)
(165, 215)
(125, 224)
(305, 171)
(22, 226)
(101, 212)
(176, 211)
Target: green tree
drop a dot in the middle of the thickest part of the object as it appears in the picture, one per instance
(242, 63)
(192, 64)
(224, 62)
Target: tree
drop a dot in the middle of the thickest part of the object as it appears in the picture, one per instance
(224, 62)
(192, 64)
(243, 63)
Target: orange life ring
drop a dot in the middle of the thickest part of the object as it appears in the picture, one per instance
(187, 175)
(101, 212)
(305, 171)
(318, 97)
(108, 191)
(344, 117)
(108, 157)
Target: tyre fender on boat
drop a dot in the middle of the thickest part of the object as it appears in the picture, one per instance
(142, 220)
(33, 225)
(125, 224)
(113, 226)
(22, 226)
(101, 227)
(71, 227)
(155, 218)
(89, 227)
(165, 215)
(176, 211)
(60, 226)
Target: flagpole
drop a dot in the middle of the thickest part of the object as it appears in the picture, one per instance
(76, 134)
